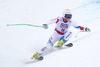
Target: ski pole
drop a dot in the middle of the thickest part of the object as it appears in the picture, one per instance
(24, 25)
(77, 33)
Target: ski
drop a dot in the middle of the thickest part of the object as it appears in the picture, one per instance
(65, 46)
(32, 60)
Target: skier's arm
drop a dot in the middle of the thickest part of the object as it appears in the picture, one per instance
(83, 29)
(51, 22)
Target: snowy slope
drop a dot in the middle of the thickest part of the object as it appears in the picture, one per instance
(18, 43)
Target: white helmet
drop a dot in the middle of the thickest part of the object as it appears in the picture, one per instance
(67, 12)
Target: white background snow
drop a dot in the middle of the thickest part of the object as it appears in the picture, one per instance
(18, 43)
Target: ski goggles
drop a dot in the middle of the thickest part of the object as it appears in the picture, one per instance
(68, 16)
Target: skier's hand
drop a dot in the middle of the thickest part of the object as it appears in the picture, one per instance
(86, 29)
(45, 26)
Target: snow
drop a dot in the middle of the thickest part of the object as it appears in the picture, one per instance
(19, 43)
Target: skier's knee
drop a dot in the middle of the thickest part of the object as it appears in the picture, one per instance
(50, 43)
(63, 39)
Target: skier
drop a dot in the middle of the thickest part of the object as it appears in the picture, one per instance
(61, 33)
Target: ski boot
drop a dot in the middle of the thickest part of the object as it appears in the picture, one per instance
(69, 45)
(37, 56)
(60, 43)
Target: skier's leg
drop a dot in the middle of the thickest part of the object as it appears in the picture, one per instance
(39, 53)
(47, 47)
(64, 39)
(53, 38)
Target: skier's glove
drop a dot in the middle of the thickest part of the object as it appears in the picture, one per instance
(86, 29)
(45, 26)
